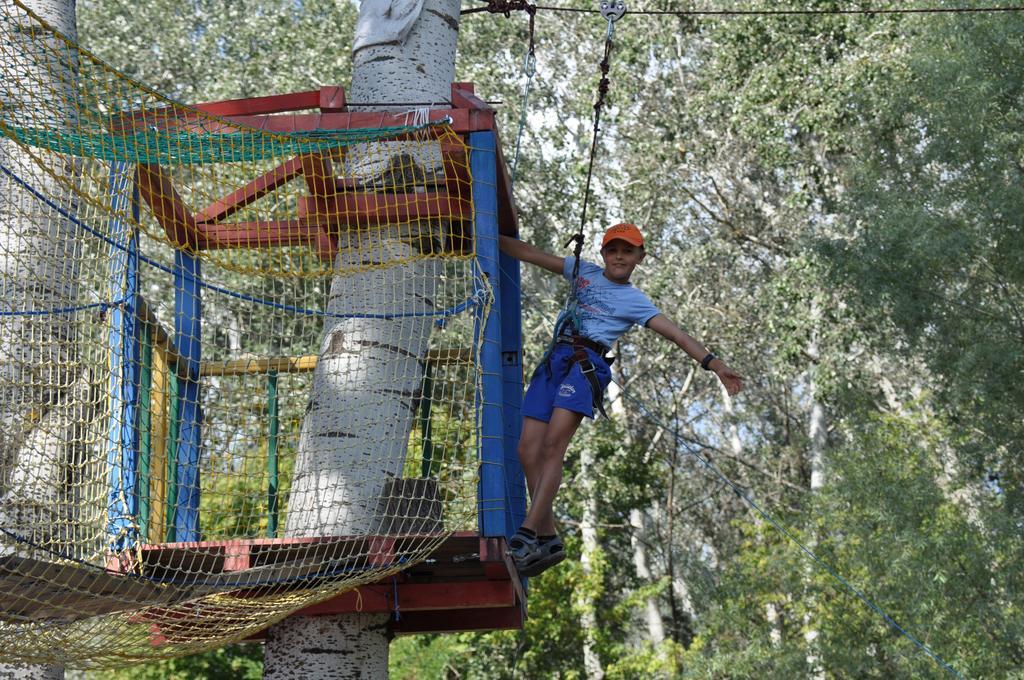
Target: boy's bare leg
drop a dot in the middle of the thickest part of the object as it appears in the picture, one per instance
(542, 448)
(530, 442)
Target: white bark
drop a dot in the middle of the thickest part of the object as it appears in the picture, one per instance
(38, 270)
(638, 539)
(588, 531)
(817, 432)
(352, 420)
(655, 625)
(9, 672)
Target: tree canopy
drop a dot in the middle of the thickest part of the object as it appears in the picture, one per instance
(834, 203)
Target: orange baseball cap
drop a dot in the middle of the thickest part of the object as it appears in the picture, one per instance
(625, 231)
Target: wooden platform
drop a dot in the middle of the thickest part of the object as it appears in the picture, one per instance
(34, 591)
(468, 583)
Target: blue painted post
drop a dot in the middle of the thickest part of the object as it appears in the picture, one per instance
(492, 492)
(123, 434)
(187, 336)
(512, 384)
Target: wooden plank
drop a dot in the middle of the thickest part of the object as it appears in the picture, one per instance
(261, 186)
(278, 103)
(36, 590)
(332, 99)
(319, 174)
(168, 207)
(344, 211)
(260, 234)
(461, 121)
(460, 620)
(380, 598)
(508, 218)
(159, 402)
(273, 114)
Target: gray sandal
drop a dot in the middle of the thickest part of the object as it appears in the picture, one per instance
(523, 549)
(546, 555)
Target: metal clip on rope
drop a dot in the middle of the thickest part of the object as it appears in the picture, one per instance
(612, 11)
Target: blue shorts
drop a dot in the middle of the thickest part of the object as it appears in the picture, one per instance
(564, 385)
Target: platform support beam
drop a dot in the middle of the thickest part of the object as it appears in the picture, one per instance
(123, 434)
(188, 336)
(502, 490)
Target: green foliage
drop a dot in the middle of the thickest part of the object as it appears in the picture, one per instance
(833, 204)
(234, 662)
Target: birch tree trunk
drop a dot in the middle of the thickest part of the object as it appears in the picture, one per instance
(817, 432)
(586, 596)
(637, 520)
(38, 271)
(404, 51)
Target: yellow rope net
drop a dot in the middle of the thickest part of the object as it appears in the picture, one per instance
(238, 368)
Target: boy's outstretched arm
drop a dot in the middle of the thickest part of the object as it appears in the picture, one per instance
(523, 251)
(663, 326)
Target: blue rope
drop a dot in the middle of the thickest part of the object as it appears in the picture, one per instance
(478, 296)
(785, 532)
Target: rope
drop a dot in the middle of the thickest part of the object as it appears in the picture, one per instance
(789, 535)
(776, 12)
(612, 12)
(530, 69)
(478, 298)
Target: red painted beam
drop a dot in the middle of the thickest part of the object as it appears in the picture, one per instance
(319, 174)
(278, 103)
(253, 191)
(259, 234)
(345, 210)
(332, 99)
(463, 121)
(463, 620)
(508, 220)
(168, 208)
(380, 598)
(464, 97)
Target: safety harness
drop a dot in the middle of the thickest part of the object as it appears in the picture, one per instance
(580, 345)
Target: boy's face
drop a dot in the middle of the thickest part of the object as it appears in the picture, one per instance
(620, 259)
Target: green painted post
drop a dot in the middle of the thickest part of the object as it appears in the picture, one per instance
(428, 444)
(145, 428)
(272, 414)
(173, 417)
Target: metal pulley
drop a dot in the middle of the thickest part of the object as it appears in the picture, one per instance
(612, 10)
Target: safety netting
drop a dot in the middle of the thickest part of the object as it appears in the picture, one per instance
(238, 369)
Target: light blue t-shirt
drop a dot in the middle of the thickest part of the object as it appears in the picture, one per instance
(607, 309)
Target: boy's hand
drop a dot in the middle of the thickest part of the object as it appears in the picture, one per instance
(733, 381)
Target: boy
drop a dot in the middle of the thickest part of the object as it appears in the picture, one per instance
(571, 381)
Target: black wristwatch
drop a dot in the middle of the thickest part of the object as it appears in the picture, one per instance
(706, 361)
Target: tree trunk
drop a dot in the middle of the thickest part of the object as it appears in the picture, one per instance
(403, 52)
(637, 517)
(592, 577)
(817, 432)
(655, 625)
(39, 378)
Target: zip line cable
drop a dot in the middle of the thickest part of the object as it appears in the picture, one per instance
(507, 6)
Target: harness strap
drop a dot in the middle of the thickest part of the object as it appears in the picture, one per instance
(581, 357)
